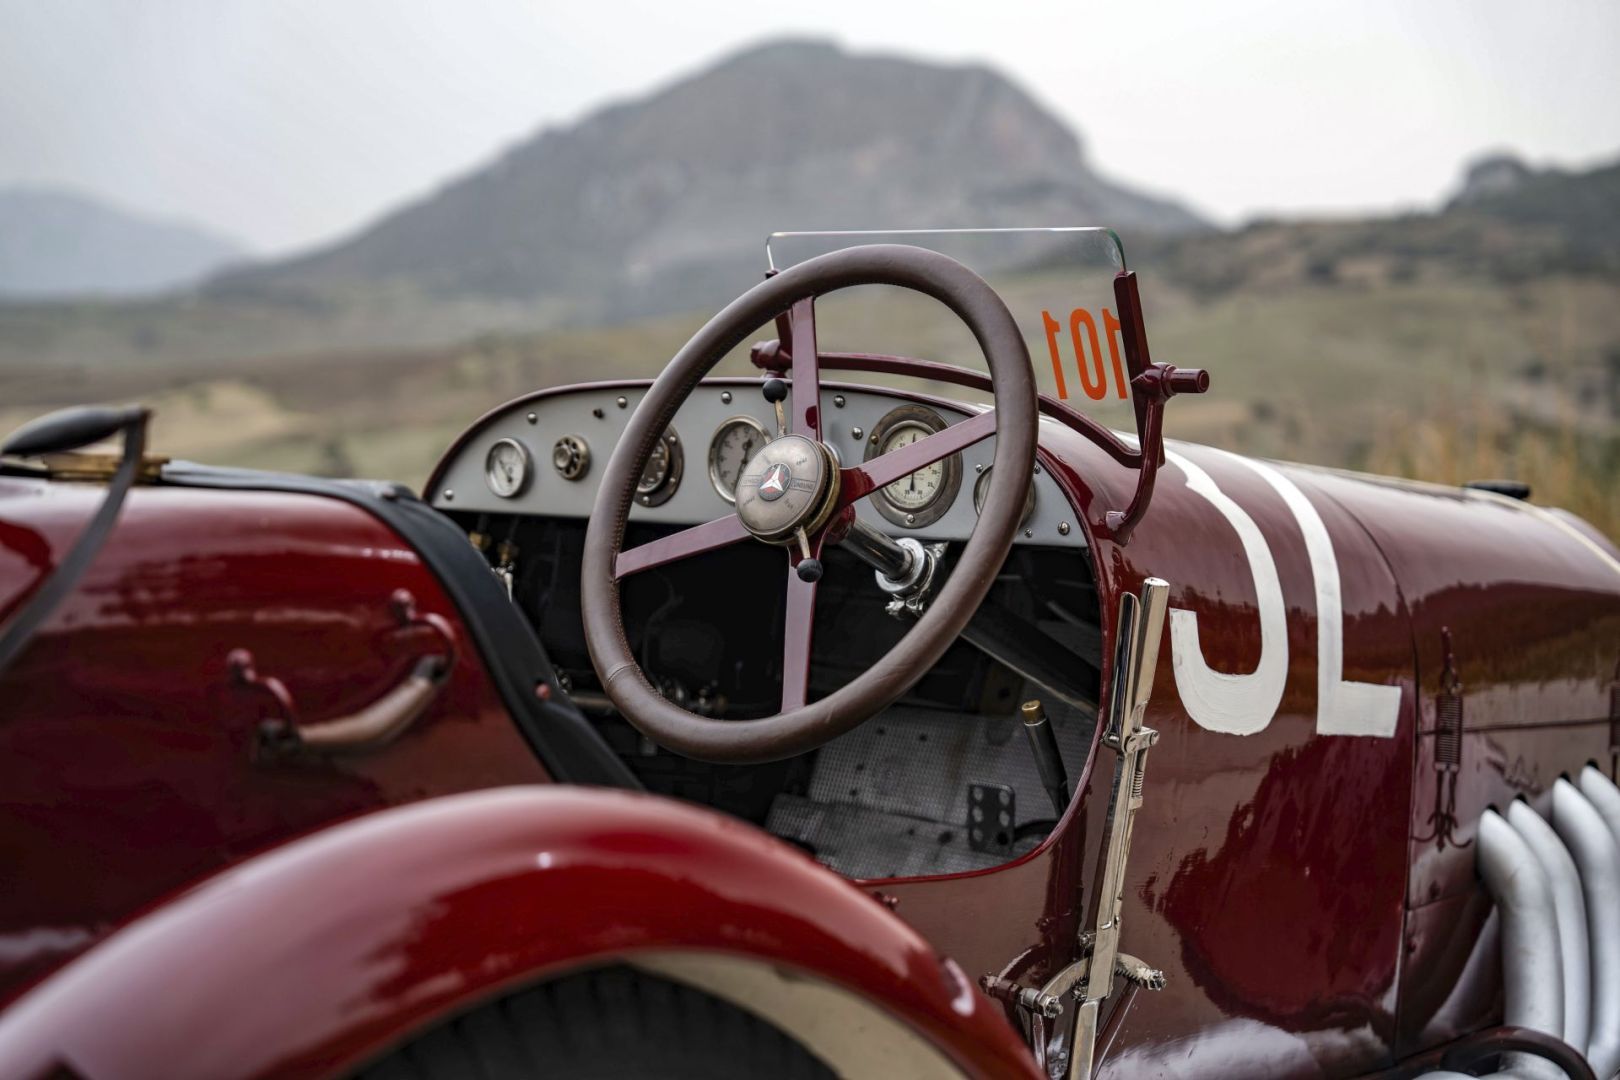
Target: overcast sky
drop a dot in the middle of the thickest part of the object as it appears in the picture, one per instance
(288, 122)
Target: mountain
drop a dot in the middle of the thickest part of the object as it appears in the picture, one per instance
(1509, 224)
(56, 245)
(664, 203)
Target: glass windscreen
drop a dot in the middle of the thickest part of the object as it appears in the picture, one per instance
(1058, 283)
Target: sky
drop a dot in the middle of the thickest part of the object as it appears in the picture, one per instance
(286, 123)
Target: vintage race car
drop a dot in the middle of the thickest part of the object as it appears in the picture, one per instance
(794, 724)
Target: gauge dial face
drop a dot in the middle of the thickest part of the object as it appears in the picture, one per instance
(920, 488)
(922, 497)
(981, 489)
(506, 468)
(734, 445)
(661, 476)
(656, 471)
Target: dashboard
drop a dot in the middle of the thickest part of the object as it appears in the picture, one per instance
(542, 457)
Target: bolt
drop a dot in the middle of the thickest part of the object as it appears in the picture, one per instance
(856, 433)
(1063, 528)
(622, 401)
(725, 397)
(838, 400)
(449, 495)
(532, 418)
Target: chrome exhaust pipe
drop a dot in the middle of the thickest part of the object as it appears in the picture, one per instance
(1570, 907)
(1598, 858)
(1580, 819)
(1601, 792)
(1533, 986)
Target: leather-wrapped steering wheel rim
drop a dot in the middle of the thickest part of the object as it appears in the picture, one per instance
(811, 724)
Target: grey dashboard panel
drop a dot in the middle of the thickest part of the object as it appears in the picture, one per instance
(595, 415)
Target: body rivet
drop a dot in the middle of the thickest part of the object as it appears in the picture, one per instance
(1063, 528)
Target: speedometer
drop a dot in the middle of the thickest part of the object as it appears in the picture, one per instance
(735, 443)
(920, 498)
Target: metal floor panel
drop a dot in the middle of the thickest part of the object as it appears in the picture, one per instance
(890, 798)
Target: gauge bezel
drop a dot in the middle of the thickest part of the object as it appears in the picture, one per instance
(714, 452)
(950, 484)
(979, 496)
(666, 488)
(526, 472)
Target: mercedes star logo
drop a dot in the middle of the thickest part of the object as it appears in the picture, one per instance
(775, 482)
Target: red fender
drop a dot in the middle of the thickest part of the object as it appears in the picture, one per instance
(314, 957)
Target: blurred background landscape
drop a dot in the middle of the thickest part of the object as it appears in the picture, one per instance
(1471, 330)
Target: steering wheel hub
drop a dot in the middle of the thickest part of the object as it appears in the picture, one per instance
(791, 484)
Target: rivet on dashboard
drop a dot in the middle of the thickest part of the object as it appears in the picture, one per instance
(597, 413)
(1063, 528)
(1037, 470)
(1029, 533)
(725, 397)
(533, 418)
(979, 467)
(838, 400)
(449, 495)
(622, 402)
(856, 433)
(911, 519)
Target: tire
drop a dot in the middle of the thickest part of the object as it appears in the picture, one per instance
(611, 1024)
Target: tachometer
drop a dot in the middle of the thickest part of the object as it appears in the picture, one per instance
(734, 444)
(920, 498)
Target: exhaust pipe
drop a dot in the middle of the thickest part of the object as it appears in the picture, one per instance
(1532, 985)
(1580, 821)
(1570, 908)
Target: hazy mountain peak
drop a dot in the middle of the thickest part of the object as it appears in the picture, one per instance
(57, 244)
(664, 201)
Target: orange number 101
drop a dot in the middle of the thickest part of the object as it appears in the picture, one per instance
(1093, 377)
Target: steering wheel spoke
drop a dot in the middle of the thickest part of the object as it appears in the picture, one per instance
(806, 419)
(798, 628)
(719, 533)
(858, 481)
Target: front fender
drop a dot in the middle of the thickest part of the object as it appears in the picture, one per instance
(314, 957)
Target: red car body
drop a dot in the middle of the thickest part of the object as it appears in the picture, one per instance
(178, 905)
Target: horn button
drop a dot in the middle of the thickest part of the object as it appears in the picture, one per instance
(791, 484)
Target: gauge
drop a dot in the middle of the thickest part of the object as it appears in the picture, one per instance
(920, 498)
(981, 488)
(506, 468)
(662, 473)
(734, 444)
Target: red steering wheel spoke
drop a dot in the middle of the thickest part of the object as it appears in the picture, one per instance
(798, 628)
(806, 419)
(858, 481)
(711, 535)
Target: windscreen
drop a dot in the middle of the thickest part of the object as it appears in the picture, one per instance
(1058, 283)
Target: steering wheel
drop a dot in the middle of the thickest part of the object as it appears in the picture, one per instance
(794, 494)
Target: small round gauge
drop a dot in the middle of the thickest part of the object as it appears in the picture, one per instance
(981, 488)
(734, 444)
(662, 473)
(920, 498)
(506, 468)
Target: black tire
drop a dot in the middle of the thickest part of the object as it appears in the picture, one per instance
(610, 1024)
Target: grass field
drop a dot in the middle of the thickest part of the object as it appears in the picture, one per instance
(1444, 380)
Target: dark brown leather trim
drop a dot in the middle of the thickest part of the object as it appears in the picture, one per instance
(785, 734)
